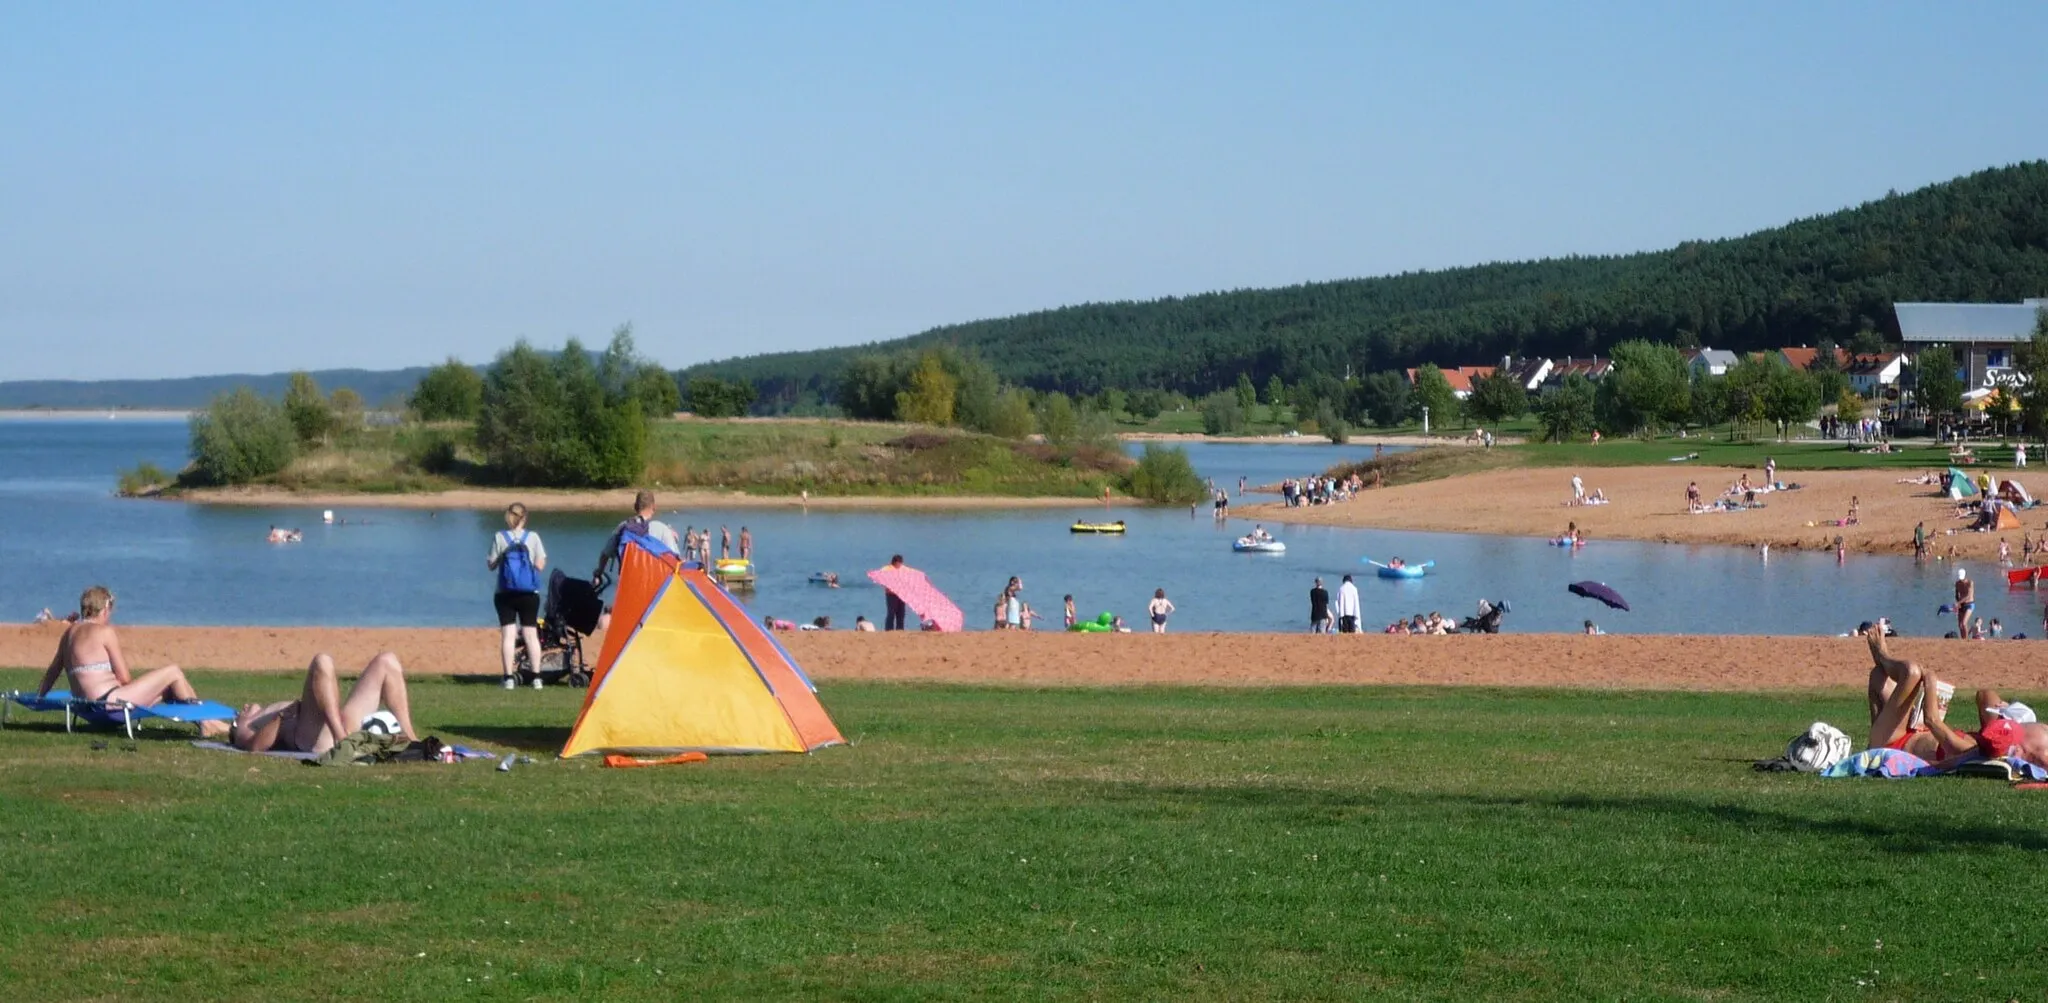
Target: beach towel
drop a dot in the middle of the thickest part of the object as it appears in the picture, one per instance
(225, 747)
(1891, 764)
(918, 593)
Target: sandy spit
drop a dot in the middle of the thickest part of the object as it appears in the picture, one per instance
(1051, 659)
(1648, 503)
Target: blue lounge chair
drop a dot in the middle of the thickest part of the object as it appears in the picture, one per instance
(111, 714)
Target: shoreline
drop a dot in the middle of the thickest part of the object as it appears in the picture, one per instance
(621, 500)
(1416, 441)
(1647, 504)
(1572, 661)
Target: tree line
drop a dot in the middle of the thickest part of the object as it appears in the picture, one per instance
(1834, 277)
(563, 419)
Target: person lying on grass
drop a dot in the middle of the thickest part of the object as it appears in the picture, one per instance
(321, 716)
(2002, 730)
(90, 654)
(1893, 693)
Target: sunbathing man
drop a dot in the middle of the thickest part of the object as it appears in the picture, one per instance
(1893, 694)
(321, 716)
(90, 654)
(2000, 727)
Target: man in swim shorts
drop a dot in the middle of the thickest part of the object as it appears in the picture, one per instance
(321, 716)
(1966, 601)
(2000, 727)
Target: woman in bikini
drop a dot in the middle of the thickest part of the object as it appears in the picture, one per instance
(321, 716)
(90, 656)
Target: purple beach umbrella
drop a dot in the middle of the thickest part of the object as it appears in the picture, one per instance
(1600, 591)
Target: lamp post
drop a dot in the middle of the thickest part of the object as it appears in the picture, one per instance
(1425, 419)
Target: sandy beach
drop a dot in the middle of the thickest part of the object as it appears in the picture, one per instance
(621, 501)
(1648, 503)
(1051, 659)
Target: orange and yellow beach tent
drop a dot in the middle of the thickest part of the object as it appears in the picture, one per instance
(684, 668)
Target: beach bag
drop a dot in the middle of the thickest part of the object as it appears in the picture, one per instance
(1821, 746)
(515, 568)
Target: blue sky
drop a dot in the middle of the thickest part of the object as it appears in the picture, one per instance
(206, 187)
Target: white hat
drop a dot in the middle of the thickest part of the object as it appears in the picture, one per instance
(2017, 713)
(1962, 573)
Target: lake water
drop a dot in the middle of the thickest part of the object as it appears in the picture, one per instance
(62, 529)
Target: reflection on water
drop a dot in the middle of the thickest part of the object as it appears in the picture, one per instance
(61, 529)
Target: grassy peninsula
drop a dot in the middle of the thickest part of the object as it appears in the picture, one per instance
(757, 456)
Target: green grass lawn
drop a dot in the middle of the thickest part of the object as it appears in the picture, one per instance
(973, 843)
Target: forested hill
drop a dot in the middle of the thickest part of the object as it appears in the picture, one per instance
(378, 387)
(1979, 238)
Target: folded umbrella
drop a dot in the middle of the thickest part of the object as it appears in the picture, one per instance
(1600, 591)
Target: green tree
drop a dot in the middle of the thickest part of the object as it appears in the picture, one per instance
(1791, 397)
(307, 407)
(1848, 405)
(976, 389)
(554, 423)
(1866, 342)
(1433, 391)
(2030, 364)
(1567, 411)
(1332, 426)
(1709, 400)
(1222, 414)
(1936, 386)
(711, 397)
(1146, 405)
(1748, 390)
(928, 399)
(1826, 371)
(1013, 418)
(1164, 475)
(1247, 395)
(1057, 419)
(1383, 398)
(450, 391)
(1497, 397)
(1114, 402)
(1651, 386)
(1276, 394)
(241, 437)
(655, 388)
(345, 412)
(868, 386)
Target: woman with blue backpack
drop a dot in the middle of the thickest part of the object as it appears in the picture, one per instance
(518, 558)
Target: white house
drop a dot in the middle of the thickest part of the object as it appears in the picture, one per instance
(1871, 374)
(1710, 361)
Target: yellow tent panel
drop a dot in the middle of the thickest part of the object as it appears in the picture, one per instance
(682, 677)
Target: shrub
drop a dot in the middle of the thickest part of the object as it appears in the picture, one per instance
(311, 415)
(1222, 414)
(241, 437)
(554, 424)
(1163, 474)
(144, 478)
(450, 391)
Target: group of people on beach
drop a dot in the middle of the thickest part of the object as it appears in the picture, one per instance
(89, 658)
(1320, 489)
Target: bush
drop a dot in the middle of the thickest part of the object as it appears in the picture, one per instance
(711, 397)
(431, 450)
(554, 424)
(1163, 474)
(311, 416)
(144, 478)
(241, 437)
(1222, 414)
(450, 391)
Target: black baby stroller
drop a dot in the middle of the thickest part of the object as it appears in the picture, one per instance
(570, 615)
(1488, 620)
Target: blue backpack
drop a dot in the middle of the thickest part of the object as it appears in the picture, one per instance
(515, 569)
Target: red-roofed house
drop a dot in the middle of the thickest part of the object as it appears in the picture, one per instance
(1802, 358)
(1459, 377)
